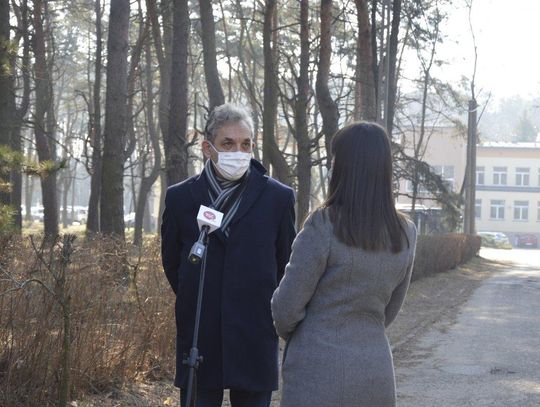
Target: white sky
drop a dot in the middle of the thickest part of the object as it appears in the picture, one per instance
(507, 34)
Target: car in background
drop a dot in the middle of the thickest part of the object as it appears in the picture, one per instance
(497, 240)
(37, 213)
(526, 240)
(129, 220)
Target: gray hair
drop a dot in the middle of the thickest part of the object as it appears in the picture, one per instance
(225, 114)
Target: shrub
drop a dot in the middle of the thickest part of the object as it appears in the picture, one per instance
(439, 253)
(120, 319)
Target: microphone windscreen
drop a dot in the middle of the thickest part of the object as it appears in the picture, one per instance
(209, 217)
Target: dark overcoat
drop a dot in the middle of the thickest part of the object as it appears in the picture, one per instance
(237, 338)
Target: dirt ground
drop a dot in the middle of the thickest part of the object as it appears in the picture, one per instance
(487, 354)
(431, 300)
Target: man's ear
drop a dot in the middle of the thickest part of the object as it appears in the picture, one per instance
(206, 148)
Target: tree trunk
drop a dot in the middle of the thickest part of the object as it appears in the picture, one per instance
(365, 104)
(208, 34)
(301, 124)
(327, 106)
(271, 153)
(7, 96)
(43, 147)
(28, 194)
(133, 75)
(66, 183)
(92, 221)
(249, 76)
(374, 58)
(19, 113)
(112, 188)
(393, 73)
(147, 181)
(163, 48)
(176, 155)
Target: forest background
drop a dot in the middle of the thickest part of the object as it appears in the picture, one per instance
(102, 106)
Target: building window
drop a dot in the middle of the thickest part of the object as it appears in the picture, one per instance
(478, 209)
(420, 189)
(447, 174)
(497, 209)
(499, 175)
(522, 177)
(521, 210)
(480, 176)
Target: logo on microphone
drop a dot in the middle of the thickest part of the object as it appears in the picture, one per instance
(209, 215)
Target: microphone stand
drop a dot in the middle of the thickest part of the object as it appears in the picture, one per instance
(198, 254)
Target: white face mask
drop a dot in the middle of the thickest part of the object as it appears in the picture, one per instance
(232, 165)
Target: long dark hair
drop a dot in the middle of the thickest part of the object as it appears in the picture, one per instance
(360, 201)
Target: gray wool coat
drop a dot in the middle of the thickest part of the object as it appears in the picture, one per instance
(332, 307)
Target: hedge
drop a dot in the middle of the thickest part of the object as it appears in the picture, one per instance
(439, 253)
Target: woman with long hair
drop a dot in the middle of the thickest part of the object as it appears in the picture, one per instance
(346, 280)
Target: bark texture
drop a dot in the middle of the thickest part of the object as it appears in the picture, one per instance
(45, 144)
(271, 153)
(208, 34)
(327, 105)
(365, 107)
(112, 187)
(176, 155)
(301, 117)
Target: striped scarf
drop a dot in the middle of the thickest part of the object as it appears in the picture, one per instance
(220, 191)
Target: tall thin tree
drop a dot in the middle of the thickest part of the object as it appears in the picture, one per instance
(208, 34)
(301, 117)
(176, 154)
(20, 111)
(327, 105)
(6, 93)
(112, 188)
(92, 222)
(364, 90)
(147, 180)
(393, 73)
(45, 145)
(271, 153)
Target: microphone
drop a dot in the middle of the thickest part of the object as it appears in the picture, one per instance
(208, 220)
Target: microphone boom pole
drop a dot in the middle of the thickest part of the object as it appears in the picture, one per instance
(194, 359)
(208, 220)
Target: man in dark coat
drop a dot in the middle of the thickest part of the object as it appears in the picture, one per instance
(246, 258)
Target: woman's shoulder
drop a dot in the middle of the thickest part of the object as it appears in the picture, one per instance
(318, 223)
(409, 228)
(318, 218)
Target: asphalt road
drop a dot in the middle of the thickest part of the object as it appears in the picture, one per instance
(490, 354)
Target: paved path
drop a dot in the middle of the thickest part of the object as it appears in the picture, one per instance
(490, 356)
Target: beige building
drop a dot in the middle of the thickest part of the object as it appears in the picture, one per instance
(446, 152)
(507, 181)
(508, 188)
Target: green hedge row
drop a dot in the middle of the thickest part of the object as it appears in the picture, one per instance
(439, 253)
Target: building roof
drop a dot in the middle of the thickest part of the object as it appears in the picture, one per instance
(509, 145)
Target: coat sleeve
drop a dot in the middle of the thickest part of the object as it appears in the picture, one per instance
(398, 295)
(171, 245)
(286, 234)
(302, 274)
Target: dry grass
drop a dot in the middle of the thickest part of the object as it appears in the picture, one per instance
(110, 310)
(121, 324)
